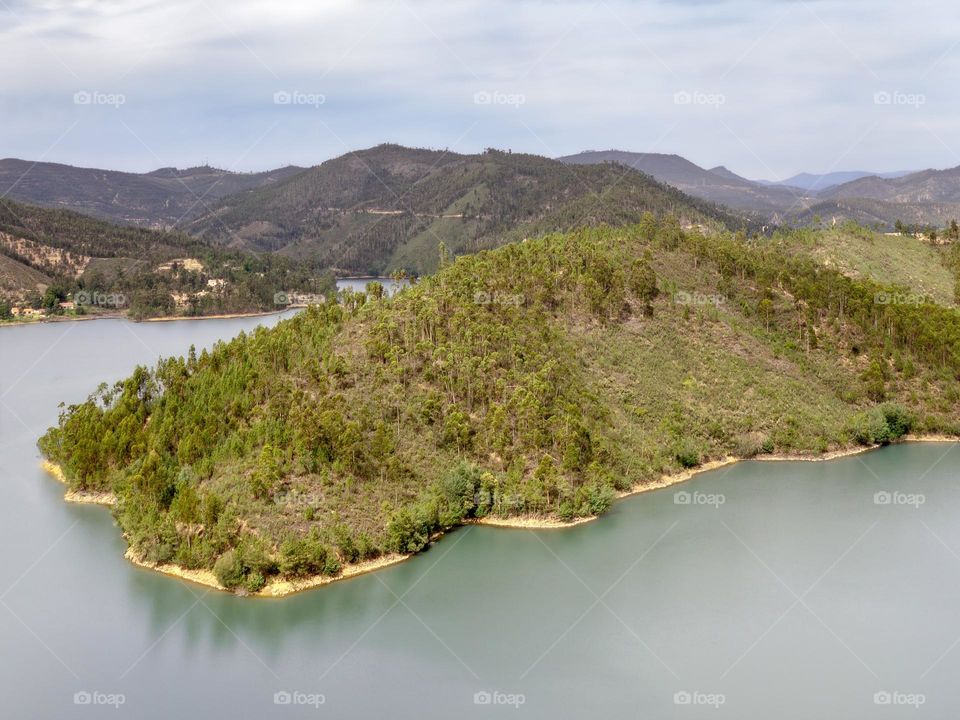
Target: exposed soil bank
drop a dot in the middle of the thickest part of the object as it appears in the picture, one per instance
(277, 587)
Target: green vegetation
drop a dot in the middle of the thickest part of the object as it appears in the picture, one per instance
(540, 378)
(52, 256)
(903, 260)
(386, 208)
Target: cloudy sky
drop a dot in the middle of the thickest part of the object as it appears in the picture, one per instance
(766, 87)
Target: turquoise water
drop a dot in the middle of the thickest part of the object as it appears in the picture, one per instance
(778, 590)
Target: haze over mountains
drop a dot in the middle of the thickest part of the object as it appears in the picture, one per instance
(929, 197)
(819, 182)
(719, 185)
(163, 197)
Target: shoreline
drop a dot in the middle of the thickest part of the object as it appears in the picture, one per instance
(682, 476)
(219, 316)
(172, 318)
(537, 522)
(80, 497)
(280, 588)
(276, 587)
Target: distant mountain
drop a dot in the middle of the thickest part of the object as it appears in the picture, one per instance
(729, 175)
(817, 183)
(926, 186)
(156, 199)
(390, 207)
(876, 213)
(718, 185)
(929, 197)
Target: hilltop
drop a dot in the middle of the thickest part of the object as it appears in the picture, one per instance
(538, 379)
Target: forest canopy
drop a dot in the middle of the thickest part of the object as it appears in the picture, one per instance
(541, 378)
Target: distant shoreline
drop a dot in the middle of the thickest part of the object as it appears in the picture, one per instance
(279, 588)
(57, 319)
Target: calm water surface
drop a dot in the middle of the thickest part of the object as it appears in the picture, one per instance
(778, 591)
(360, 284)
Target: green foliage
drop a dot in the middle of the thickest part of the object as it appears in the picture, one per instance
(398, 418)
(229, 569)
(139, 270)
(687, 453)
(305, 556)
(432, 198)
(883, 424)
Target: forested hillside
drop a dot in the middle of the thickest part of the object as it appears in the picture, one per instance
(540, 378)
(161, 198)
(389, 207)
(52, 256)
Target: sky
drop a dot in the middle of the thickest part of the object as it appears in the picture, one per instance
(767, 88)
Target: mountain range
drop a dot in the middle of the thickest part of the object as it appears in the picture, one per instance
(813, 182)
(928, 197)
(162, 198)
(390, 207)
(718, 185)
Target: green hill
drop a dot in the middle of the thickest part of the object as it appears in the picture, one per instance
(49, 256)
(539, 379)
(390, 207)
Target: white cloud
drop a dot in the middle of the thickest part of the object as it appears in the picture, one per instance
(798, 79)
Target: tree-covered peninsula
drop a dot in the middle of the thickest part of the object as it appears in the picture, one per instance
(538, 379)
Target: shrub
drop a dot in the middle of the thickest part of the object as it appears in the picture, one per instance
(303, 556)
(687, 454)
(404, 534)
(459, 489)
(229, 569)
(882, 424)
(749, 444)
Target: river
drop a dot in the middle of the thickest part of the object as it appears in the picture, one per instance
(766, 591)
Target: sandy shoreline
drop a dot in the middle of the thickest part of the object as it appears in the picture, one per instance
(538, 522)
(82, 497)
(278, 588)
(222, 316)
(122, 316)
(684, 475)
